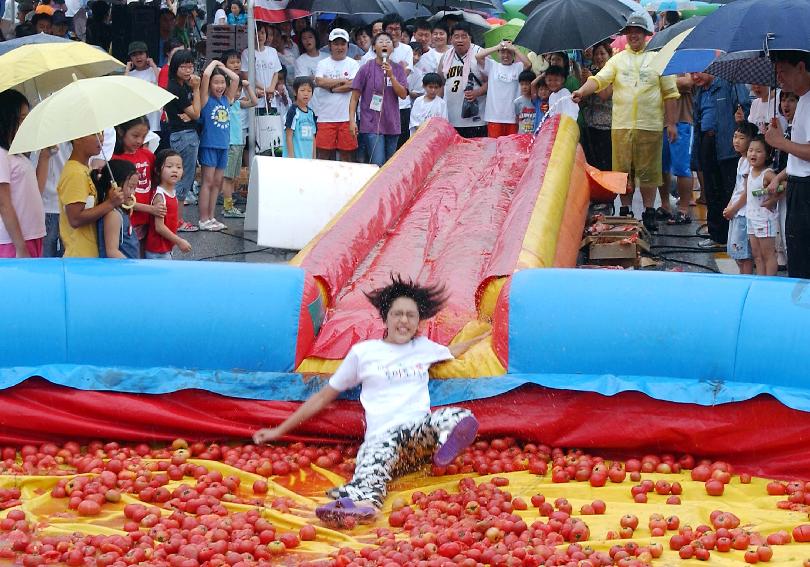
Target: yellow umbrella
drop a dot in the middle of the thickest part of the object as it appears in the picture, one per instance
(86, 107)
(37, 70)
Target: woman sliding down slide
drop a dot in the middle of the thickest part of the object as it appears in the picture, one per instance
(401, 431)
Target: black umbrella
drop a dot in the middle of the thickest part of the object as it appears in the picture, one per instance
(461, 4)
(560, 25)
(749, 67)
(338, 6)
(663, 37)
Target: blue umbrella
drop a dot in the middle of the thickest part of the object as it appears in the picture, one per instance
(692, 61)
(6, 46)
(752, 25)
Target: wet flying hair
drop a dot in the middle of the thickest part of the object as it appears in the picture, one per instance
(429, 299)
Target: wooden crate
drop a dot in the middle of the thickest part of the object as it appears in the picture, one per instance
(220, 39)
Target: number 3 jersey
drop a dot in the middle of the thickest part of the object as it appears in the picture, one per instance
(453, 66)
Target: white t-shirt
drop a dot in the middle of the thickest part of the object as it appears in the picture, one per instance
(455, 84)
(801, 135)
(429, 62)
(565, 106)
(334, 107)
(57, 161)
(424, 109)
(761, 113)
(402, 54)
(306, 65)
(393, 379)
(502, 91)
(267, 63)
(149, 76)
(743, 168)
(415, 86)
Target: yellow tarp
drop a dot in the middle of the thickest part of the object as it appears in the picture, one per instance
(750, 503)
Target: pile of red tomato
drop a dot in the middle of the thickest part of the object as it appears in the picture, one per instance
(178, 508)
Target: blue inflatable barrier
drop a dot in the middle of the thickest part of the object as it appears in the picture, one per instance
(190, 316)
(234, 329)
(694, 338)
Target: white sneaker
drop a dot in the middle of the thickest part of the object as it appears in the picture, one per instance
(708, 243)
(208, 225)
(218, 225)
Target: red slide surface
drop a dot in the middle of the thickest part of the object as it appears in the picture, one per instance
(434, 222)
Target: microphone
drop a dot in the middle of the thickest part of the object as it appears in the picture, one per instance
(385, 56)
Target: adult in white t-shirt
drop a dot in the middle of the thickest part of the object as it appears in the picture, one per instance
(456, 67)
(401, 431)
(502, 86)
(439, 36)
(307, 63)
(333, 78)
(793, 75)
(267, 66)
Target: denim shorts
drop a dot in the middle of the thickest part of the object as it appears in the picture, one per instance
(157, 255)
(676, 157)
(738, 246)
(186, 143)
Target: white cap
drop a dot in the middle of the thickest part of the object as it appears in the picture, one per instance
(338, 33)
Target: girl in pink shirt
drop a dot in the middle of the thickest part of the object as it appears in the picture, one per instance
(22, 217)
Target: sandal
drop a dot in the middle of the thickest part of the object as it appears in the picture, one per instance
(680, 218)
(459, 438)
(662, 214)
(336, 514)
(187, 227)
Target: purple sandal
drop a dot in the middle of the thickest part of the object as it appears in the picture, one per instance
(460, 437)
(336, 512)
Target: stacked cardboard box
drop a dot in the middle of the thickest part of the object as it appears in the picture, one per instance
(615, 241)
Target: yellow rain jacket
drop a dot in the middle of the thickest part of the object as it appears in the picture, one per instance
(639, 91)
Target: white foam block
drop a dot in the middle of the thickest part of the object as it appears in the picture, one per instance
(291, 200)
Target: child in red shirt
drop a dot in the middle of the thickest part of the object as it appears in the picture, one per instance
(129, 147)
(162, 235)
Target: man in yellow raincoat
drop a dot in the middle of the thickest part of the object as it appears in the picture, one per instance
(640, 98)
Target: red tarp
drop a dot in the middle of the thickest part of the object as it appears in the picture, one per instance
(760, 436)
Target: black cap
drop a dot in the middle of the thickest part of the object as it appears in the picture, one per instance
(137, 46)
